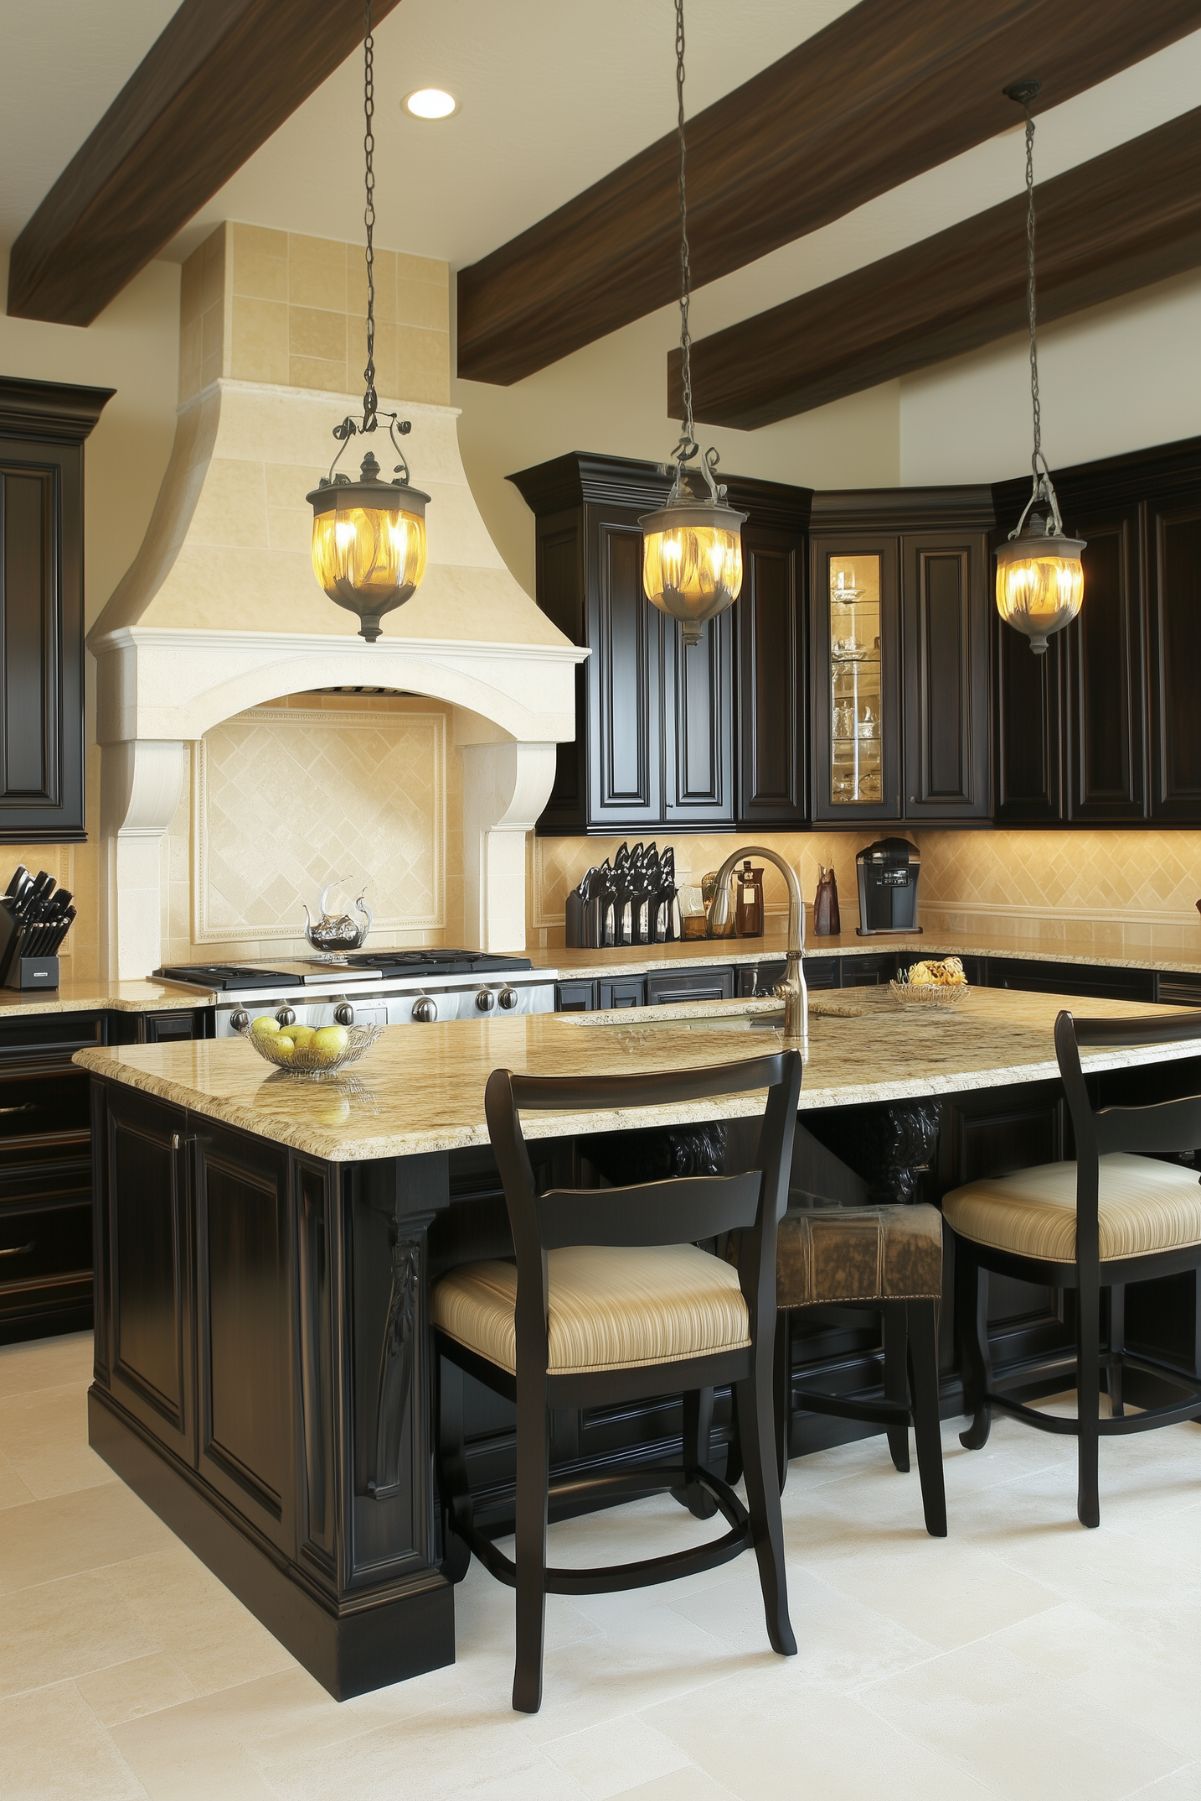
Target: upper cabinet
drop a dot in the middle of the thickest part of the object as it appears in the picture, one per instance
(900, 628)
(43, 426)
(1104, 729)
(668, 735)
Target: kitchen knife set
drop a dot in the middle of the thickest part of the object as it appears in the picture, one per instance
(35, 917)
(629, 900)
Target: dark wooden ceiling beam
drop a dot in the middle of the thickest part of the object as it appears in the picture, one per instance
(890, 89)
(1116, 223)
(222, 76)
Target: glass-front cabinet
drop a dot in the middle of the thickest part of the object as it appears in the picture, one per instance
(856, 694)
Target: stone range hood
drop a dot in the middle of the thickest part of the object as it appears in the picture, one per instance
(220, 612)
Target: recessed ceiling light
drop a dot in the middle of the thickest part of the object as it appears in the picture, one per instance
(431, 103)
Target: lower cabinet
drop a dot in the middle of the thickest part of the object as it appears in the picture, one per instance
(700, 984)
(620, 991)
(242, 1223)
(194, 1330)
(144, 1313)
(45, 1175)
(1039, 977)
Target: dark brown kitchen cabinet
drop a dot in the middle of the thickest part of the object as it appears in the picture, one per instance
(43, 426)
(144, 1316)
(658, 722)
(1173, 531)
(770, 620)
(944, 631)
(1103, 675)
(1104, 729)
(703, 983)
(244, 1249)
(45, 1175)
(1027, 735)
(899, 620)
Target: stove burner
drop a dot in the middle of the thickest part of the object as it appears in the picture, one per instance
(223, 975)
(426, 962)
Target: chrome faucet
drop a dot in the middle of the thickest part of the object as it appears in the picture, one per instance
(792, 990)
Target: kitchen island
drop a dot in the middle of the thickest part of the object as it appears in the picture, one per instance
(265, 1247)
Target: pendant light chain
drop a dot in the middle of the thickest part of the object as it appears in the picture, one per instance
(1031, 303)
(688, 446)
(370, 397)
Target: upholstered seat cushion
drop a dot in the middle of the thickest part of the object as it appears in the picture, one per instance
(608, 1308)
(1144, 1206)
(887, 1253)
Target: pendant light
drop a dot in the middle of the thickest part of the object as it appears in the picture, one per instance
(1040, 578)
(369, 533)
(692, 546)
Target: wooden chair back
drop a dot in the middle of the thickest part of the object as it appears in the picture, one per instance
(1163, 1126)
(680, 1210)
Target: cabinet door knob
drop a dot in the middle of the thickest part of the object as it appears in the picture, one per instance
(181, 1140)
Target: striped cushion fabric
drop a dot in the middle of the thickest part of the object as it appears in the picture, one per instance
(609, 1307)
(1145, 1206)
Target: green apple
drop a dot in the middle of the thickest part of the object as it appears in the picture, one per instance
(265, 1026)
(329, 1043)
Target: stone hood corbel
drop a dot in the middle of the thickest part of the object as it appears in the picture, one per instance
(220, 612)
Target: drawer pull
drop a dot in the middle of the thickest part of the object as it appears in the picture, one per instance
(17, 1250)
(181, 1140)
(21, 1107)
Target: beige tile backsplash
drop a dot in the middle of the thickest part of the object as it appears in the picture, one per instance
(277, 306)
(313, 788)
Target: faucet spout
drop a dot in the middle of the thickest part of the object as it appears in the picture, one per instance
(793, 990)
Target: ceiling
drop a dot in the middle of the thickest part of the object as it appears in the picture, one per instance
(552, 96)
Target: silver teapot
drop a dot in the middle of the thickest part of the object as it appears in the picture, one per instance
(336, 932)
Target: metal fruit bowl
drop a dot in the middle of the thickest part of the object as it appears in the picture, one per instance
(929, 994)
(305, 1062)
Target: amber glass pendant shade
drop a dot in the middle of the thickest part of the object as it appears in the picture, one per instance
(692, 562)
(1040, 583)
(368, 546)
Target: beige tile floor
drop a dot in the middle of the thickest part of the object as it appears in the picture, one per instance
(1020, 1658)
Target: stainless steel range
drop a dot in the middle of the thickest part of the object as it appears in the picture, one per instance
(403, 987)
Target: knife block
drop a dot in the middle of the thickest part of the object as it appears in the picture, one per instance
(22, 972)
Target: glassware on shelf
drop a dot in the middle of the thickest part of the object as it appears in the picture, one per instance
(856, 723)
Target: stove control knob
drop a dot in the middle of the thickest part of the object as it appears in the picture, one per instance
(485, 1000)
(286, 1015)
(425, 1010)
(508, 999)
(239, 1019)
(344, 1014)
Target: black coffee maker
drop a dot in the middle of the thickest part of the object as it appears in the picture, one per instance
(888, 872)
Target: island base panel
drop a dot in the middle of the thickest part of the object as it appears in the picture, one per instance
(381, 1640)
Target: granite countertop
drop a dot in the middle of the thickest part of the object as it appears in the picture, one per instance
(422, 1088)
(638, 959)
(92, 994)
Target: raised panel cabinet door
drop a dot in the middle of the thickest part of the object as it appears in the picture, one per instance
(1174, 603)
(944, 630)
(625, 679)
(245, 1329)
(855, 678)
(1027, 742)
(41, 648)
(698, 724)
(1103, 651)
(144, 1206)
(770, 689)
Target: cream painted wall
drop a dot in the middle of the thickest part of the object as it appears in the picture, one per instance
(133, 347)
(611, 398)
(1115, 378)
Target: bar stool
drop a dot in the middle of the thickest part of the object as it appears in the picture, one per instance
(886, 1258)
(1112, 1217)
(610, 1298)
